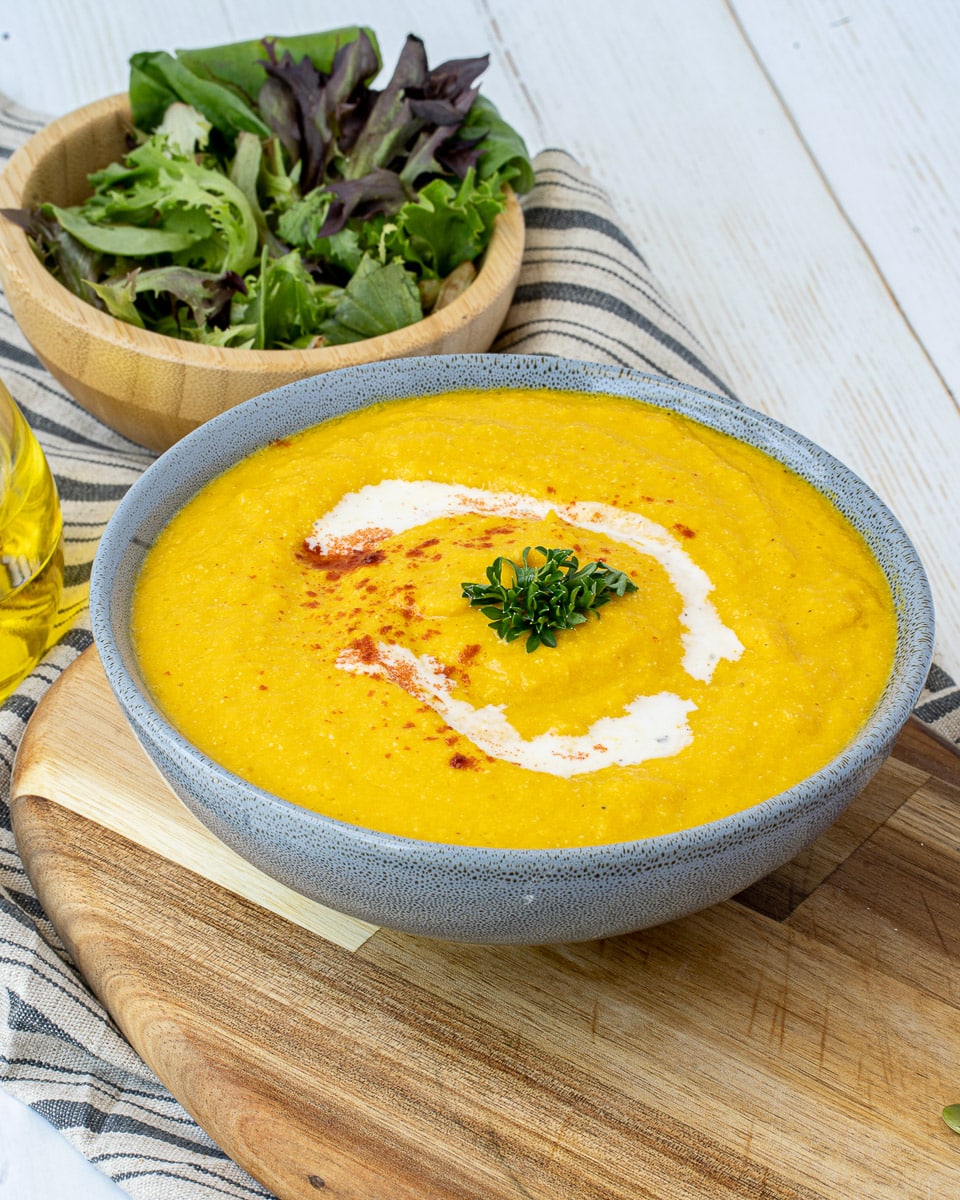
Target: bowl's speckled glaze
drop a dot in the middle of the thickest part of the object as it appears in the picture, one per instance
(479, 894)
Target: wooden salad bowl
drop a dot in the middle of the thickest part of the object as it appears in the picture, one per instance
(154, 389)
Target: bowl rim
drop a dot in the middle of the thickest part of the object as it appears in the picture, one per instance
(500, 260)
(871, 743)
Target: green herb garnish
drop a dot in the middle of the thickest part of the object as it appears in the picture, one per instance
(951, 1115)
(555, 595)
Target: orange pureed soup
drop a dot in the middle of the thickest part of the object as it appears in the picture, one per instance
(302, 622)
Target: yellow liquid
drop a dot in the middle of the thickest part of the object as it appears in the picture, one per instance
(31, 549)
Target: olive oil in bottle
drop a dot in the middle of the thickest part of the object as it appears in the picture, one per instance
(31, 548)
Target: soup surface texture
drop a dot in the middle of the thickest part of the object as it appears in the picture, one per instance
(302, 622)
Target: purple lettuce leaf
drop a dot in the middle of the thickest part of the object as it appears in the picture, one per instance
(346, 99)
(295, 98)
(73, 263)
(379, 191)
(416, 119)
(307, 109)
(391, 124)
(448, 92)
(207, 295)
(279, 110)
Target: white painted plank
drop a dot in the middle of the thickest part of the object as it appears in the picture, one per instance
(871, 89)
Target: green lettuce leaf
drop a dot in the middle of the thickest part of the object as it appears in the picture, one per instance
(157, 80)
(278, 182)
(240, 64)
(344, 249)
(378, 299)
(129, 241)
(503, 152)
(284, 304)
(118, 297)
(446, 225)
(300, 225)
(185, 129)
(159, 202)
(245, 172)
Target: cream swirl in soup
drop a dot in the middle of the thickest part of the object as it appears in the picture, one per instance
(650, 727)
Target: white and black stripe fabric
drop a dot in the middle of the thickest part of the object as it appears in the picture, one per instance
(584, 292)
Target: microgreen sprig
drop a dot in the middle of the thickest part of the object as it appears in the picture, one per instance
(555, 595)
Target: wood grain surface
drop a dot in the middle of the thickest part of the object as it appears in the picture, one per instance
(796, 1042)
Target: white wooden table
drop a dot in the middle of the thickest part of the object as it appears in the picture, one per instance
(790, 169)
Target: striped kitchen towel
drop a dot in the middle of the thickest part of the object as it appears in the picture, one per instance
(584, 292)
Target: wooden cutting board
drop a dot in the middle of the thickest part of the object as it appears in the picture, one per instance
(799, 1041)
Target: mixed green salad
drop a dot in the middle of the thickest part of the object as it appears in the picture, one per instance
(272, 198)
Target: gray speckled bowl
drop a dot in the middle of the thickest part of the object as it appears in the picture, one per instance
(484, 895)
